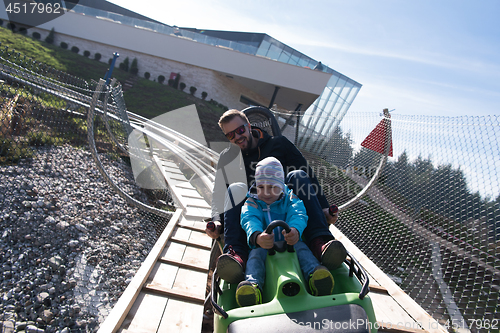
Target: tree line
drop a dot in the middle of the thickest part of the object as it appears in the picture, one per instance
(420, 184)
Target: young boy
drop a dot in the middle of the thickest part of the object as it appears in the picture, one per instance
(273, 200)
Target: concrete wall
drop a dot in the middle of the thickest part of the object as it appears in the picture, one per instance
(219, 87)
(200, 65)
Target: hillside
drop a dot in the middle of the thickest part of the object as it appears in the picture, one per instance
(146, 98)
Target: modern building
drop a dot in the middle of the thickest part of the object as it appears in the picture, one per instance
(236, 69)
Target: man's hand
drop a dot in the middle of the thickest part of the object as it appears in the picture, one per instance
(292, 237)
(330, 219)
(216, 232)
(265, 241)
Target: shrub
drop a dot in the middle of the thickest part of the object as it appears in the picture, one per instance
(40, 139)
(192, 90)
(1, 22)
(204, 95)
(176, 81)
(11, 26)
(171, 82)
(50, 38)
(11, 152)
(182, 85)
(125, 64)
(133, 67)
(23, 31)
(86, 53)
(75, 49)
(97, 56)
(161, 79)
(36, 35)
(147, 75)
(64, 45)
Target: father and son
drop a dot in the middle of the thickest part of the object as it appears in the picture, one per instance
(252, 190)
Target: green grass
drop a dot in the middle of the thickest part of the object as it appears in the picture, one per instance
(146, 98)
(151, 99)
(53, 56)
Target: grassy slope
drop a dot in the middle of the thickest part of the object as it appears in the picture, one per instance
(147, 98)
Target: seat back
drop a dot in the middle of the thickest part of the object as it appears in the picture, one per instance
(263, 118)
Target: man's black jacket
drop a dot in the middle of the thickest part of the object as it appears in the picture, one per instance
(277, 146)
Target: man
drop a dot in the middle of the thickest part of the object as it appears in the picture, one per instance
(235, 174)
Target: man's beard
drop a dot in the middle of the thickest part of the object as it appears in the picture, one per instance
(249, 145)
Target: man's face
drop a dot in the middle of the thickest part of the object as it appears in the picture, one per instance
(239, 133)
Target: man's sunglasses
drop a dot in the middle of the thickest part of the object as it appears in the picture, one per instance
(240, 130)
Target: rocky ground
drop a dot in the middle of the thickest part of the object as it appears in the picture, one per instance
(69, 245)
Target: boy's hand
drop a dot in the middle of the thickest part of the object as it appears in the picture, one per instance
(292, 237)
(265, 241)
(215, 233)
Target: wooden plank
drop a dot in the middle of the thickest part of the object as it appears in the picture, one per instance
(181, 317)
(191, 282)
(173, 170)
(197, 223)
(182, 233)
(179, 177)
(197, 257)
(388, 311)
(187, 185)
(373, 281)
(390, 328)
(197, 202)
(183, 265)
(378, 289)
(200, 238)
(173, 293)
(164, 274)
(187, 243)
(187, 192)
(174, 251)
(403, 300)
(200, 213)
(175, 195)
(145, 315)
(120, 310)
(190, 227)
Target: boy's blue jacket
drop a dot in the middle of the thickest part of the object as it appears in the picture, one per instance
(256, 215)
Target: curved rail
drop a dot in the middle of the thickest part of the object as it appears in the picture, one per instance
(90, 136)
(199, 158)
(383, 161)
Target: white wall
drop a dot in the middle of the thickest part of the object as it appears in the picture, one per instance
(200, 65)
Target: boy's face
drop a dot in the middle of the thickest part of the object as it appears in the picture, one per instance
(268, 193)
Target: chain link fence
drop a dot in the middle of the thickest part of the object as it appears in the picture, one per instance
(432, 220)
(70, 243)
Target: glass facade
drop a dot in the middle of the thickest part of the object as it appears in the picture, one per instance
(325, 114)
(318, 121)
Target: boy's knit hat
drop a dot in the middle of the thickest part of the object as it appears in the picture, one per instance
(269, 171)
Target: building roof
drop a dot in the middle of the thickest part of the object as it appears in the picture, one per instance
(112, 8)
(249, 38)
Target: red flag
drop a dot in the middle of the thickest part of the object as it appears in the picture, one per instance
(377, 138)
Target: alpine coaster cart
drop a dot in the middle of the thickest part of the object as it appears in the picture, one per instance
(287, 304)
